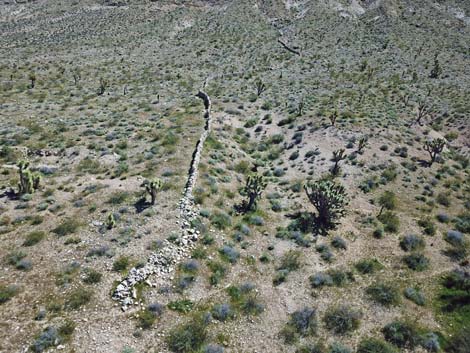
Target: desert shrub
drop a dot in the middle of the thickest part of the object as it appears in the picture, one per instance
(213, 348)
(48, 338)
(183, 305)
(325, 252)
(390, 221)
(401, 334)
(100, 251)
(121, 264)
(302, 323)
(191, 266)
(454, 237)
(229, 253)
(311, 348)
(428, 226)
(188, 337)
(460, 342)
(92, 276)
(430, 342)
(443, 218)
(416, 262)
(412, 242)
(220, 220)
(338, 348)
(367, 266)
(156, 308)
(218, 272)
(78, 298)
(68, 226)
(414, 295)
(443, 199)
(378, 232)
(222, 312)
(290, 261)
(342, 319)
(385, 294)
(387, 201)
(320, 280)
(14, 257)
(7, 292)
(462, 222)
(33, 238)
(145, 319)
(339, 243)
(375, 345)
(245, 299)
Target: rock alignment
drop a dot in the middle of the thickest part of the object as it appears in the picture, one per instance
(162, 263)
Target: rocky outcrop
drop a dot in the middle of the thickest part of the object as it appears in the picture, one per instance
(163, 262)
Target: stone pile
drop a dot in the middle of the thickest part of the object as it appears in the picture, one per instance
(163, 262)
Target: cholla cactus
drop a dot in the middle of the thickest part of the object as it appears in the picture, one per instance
(338, 156)
(329, 199)
(434, 147)
(333, 117)
(152, 187)
(255, 184)
(29, 181)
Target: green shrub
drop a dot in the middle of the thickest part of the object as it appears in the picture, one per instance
(68, 226)
(460, 343)
(342, 319)
(302, 323)
(385, 294)
(121, 264)
(183, 306)
(429, 227)
(416, 262)
(92, 276)
(7, 292)
(218, 270)
(368, 266)
(374, 345)
(401, 334)
(412, 242)
(414, 295)
(220, 220)
(34, 238)
(189, 337)
(145, 319)
(390, 221)
(78, 298)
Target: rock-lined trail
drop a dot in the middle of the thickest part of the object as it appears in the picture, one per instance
(163, 262)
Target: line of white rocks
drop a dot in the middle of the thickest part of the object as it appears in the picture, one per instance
(163, 262)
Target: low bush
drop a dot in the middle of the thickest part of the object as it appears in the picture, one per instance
(183, 306)
(78, 298)
(92, 276)
(375, 345)
(220, 220)
(416, 262)
(415, 296)
(428, 226)
(33, 238)
(412, 242)
(342, 319)
(68, 226)
(229, 254)
(385, 294)
(145, 319)
(339, 243)
(121, 264)
(302, 323)
(222, 312)
(338, 348)
(368, 266)
(460, 342)
(390, 221)
(188, 337)
(401, 334)
(7, 292)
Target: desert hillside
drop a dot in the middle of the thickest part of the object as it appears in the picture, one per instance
(235, 176)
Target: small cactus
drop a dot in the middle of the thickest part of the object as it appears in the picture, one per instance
(152, 187)
(338, 156)
(29, 181)
(111, 221)
(362, 143)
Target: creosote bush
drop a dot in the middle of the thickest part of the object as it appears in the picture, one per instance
(188, 337)
(385, 294)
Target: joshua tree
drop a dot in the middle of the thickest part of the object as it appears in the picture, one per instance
(338, 156)
(434, 147)
(361, 144)
(329, 199)
(300, 107)
(32, 78)
(152, 187)
(333, 116)
(387, 201)
(436, 70)
(260, 87)
(29, 181)
(103, 86)
(255, 184)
